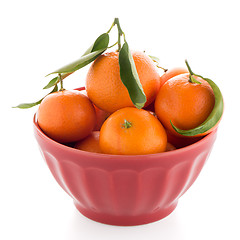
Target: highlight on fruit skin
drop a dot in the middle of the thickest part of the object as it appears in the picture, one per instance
(132, 131)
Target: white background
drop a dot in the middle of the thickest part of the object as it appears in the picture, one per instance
(38, 37)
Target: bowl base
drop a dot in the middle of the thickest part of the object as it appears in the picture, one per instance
(126, 220)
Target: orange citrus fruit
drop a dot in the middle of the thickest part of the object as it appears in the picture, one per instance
(66, 116)
(90, 143)
(105, 88)
(132, 131)
(184, 103)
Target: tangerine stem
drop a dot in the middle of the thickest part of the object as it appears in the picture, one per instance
(61, 82)
(156, 60)
(191, 78)
(188, 67)
(113, 45)
(127, 124)
(120, 33)
(164, 69)
(111, 26)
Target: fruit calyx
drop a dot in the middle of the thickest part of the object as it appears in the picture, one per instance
(126, 124)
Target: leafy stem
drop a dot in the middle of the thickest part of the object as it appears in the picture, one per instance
(164, 69)
(120, 32)
(29, 105)
(113, 24)
(128, 72)
(56, 80)
(156, 60)
(61, 82)
(113, 45)
(192, 79)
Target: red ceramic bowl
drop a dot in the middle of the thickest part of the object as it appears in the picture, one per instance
(124, 189)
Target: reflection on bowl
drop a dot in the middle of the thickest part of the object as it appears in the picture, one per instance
(124, 189)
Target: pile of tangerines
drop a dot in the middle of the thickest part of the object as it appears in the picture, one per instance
(127, 107)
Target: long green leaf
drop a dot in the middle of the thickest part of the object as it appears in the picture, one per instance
(82, 62)
(213, 117)
(51, 83)
(100, 43)
(56, 80)
(99, 46)
(130, 78)
(29, 105)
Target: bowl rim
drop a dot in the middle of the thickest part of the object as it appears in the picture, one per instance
(104, 155)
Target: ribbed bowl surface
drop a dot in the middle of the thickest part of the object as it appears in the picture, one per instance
(121, 189)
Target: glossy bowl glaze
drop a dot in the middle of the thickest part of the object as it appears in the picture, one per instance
(120, 189)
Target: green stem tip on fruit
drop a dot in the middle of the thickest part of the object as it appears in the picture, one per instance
(61, 82)
(126, 124)
(192, 79)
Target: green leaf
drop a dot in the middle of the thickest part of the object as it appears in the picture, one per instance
(29, 105)
(51, 83)
(99, 46)
(130, 78)
(82, 62)
(213, 117)
(101, 42)
(56, 80)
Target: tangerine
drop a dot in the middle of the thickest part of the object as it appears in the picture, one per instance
(186, 104)
(90, 143)
(132, 131)
(66, 116)
(105, 88)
